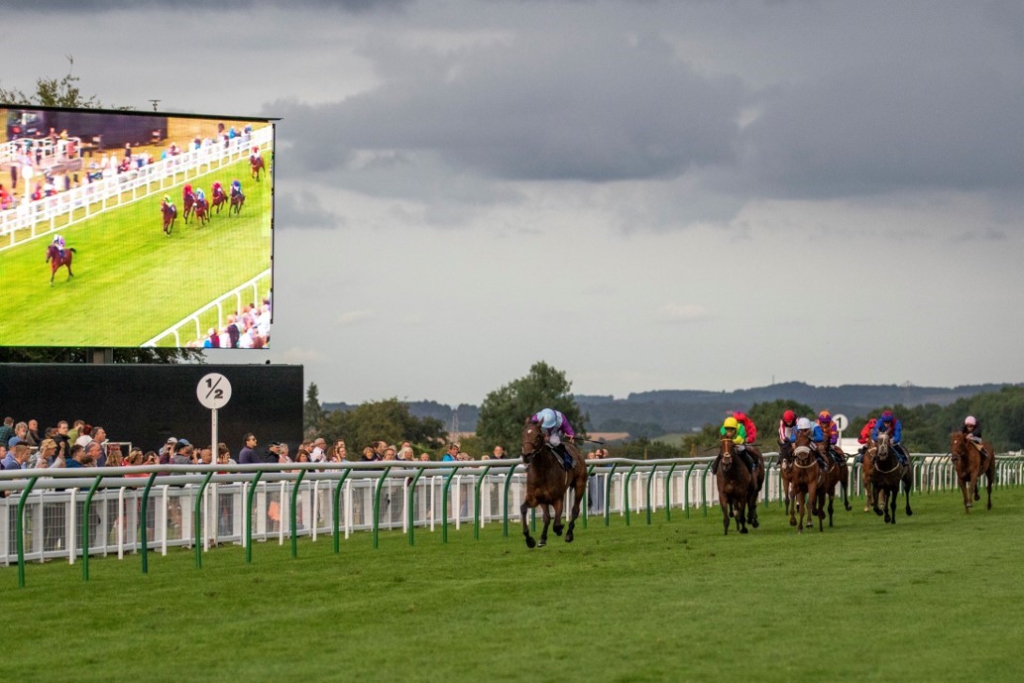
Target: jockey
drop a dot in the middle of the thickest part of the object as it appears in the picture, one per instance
(217, 189)
(825, 420)
(817, 437)
(185, 193)
(787, 426)
(734, 430)
(865, 436)
(200, 195)
(554, 425)
(972, 429)
(748, 425)
(888, 424)
(58, 241)
(236, 188)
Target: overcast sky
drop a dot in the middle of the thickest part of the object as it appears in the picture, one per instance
(647, 195)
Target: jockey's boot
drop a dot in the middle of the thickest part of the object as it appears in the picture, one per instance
(860, 455)
(747, 460)
(714, 464)
(567, 462)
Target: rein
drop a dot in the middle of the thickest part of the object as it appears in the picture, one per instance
(803, 450)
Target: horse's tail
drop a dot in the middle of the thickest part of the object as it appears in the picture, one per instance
(73, 250)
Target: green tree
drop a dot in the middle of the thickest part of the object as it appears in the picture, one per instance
(312, 411)
(388, 420)
(504, 410)
(65, 92)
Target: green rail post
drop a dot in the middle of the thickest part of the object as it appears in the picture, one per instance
(337, 510)
(625, 489)
(248, 517)
(85, 527)
(476, 503)
(704, 488)
(291, 513)
(444, 505)
(376, 507)
(608, 495)
(650, 480)
(144, 519)
(686, 490)
(508, 480)
(668, 492)
(411, 503)
(197, 521)
(586, 496)
(21, 530)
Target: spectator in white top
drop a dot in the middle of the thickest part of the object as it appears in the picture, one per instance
(318, 453)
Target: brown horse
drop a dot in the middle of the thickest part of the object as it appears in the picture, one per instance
(188, 206)
(886, 478)
(804, 482)
(867, 467)
(967, 460)
(547, 482)
(786, 461)
(55, 260)
(202, 211)
(237, 201)
(737, 489)
(837, 473)
(170, 212)
(220, 199)
(257, 164)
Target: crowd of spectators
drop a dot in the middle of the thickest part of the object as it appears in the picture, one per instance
(245, 329)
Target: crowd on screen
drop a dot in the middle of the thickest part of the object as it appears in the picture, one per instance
(245, 329)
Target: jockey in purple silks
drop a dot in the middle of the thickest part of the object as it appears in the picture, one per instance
(554, 425)
(59, 241)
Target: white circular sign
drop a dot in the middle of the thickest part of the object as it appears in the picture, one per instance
(214, 391)
(841, 421)
(27, 172)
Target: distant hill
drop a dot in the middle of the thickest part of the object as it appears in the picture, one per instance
(652, 413)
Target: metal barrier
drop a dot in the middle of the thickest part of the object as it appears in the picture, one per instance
(46, 516)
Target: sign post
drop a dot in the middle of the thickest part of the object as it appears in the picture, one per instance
(841, 422)
(213, 392)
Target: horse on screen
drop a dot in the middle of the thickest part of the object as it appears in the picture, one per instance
(54, 258)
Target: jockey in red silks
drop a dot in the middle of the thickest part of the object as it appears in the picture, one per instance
(187, 192)
(554, 425)
(864, 438)
(217, 190)
(748, 425)
(787, 427)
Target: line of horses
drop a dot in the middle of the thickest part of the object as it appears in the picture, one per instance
(202, 209)
(809, 489)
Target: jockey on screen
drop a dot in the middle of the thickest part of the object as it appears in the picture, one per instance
(185, 193)
(814, 433)
(59, 241)
(236, 188)
(200, 195)
(888, 424)
(217, 189)
(787, 427)
(554, 425)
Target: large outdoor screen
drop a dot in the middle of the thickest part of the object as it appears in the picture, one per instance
(123, 229)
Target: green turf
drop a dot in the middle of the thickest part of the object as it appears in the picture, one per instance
(131, 280)
(936, 597)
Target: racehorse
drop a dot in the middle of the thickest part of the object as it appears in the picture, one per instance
(547, 482)
(786, 461)
(867, 466)
(737, 489)
(219, 199)
(967, 460)
(189, 205)
(55, 260)
(257, 165)
(837, 472)
(202, 210)
(803, 487)
(886, 478)
(237, 200)
(170, 212)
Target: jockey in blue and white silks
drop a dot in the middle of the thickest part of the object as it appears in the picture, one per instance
(554, 426)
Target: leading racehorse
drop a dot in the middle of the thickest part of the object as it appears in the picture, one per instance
(804, 481)
(970, 465)
(257, 164)
(170, 212)
(55, 260)
(737, 489)
(547, 481)
(886, 478)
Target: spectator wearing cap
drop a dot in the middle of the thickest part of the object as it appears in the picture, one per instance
(248, 456)
(167, 451)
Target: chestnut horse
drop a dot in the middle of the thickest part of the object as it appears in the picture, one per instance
(237, 201)
(220, 198)
(886, 478)
(837, 473)
(786, 461)
(967, 460)
(547, 482)
(170, 212)
(867, 467)
(805, 480)
(257, 164)
(737, 489)
(55, 260)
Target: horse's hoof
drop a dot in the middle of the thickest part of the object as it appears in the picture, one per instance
(792, 522)
(743, 530)
(909, 512)
(879, 513)
(568, 538)
(754, 523)
(541, 543)
(530, 543)
(559, 530)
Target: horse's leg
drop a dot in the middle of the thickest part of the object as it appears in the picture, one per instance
(846, 489)
(579, 491)
(530, 543)
(726, 512)
(908, 484)
(752, 509)
(965, 493)
(791, 494)
(830, 499)
(558, 506)
(741, 514)
(990, 474)
(543, 540)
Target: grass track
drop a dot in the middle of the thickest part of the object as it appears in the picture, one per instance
(935, 598)
(132, 281)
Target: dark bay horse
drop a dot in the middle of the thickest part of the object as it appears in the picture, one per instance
(55, 260)
(547, 481)
(805, 479)
(867, 467)
(967, 459)
(237, 200)
(257, 164)
(886, 478)
(786, 461)
(170, 212)
(737, 489)
(837, 473)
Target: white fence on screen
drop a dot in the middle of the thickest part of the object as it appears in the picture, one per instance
(253, 291)
(30, 220)
(369, 498)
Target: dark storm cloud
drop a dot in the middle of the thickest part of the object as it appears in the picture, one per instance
(591, 108)
(882, 127)
(303, 210)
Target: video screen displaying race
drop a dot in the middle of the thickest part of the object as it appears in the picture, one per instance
(125, 229)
